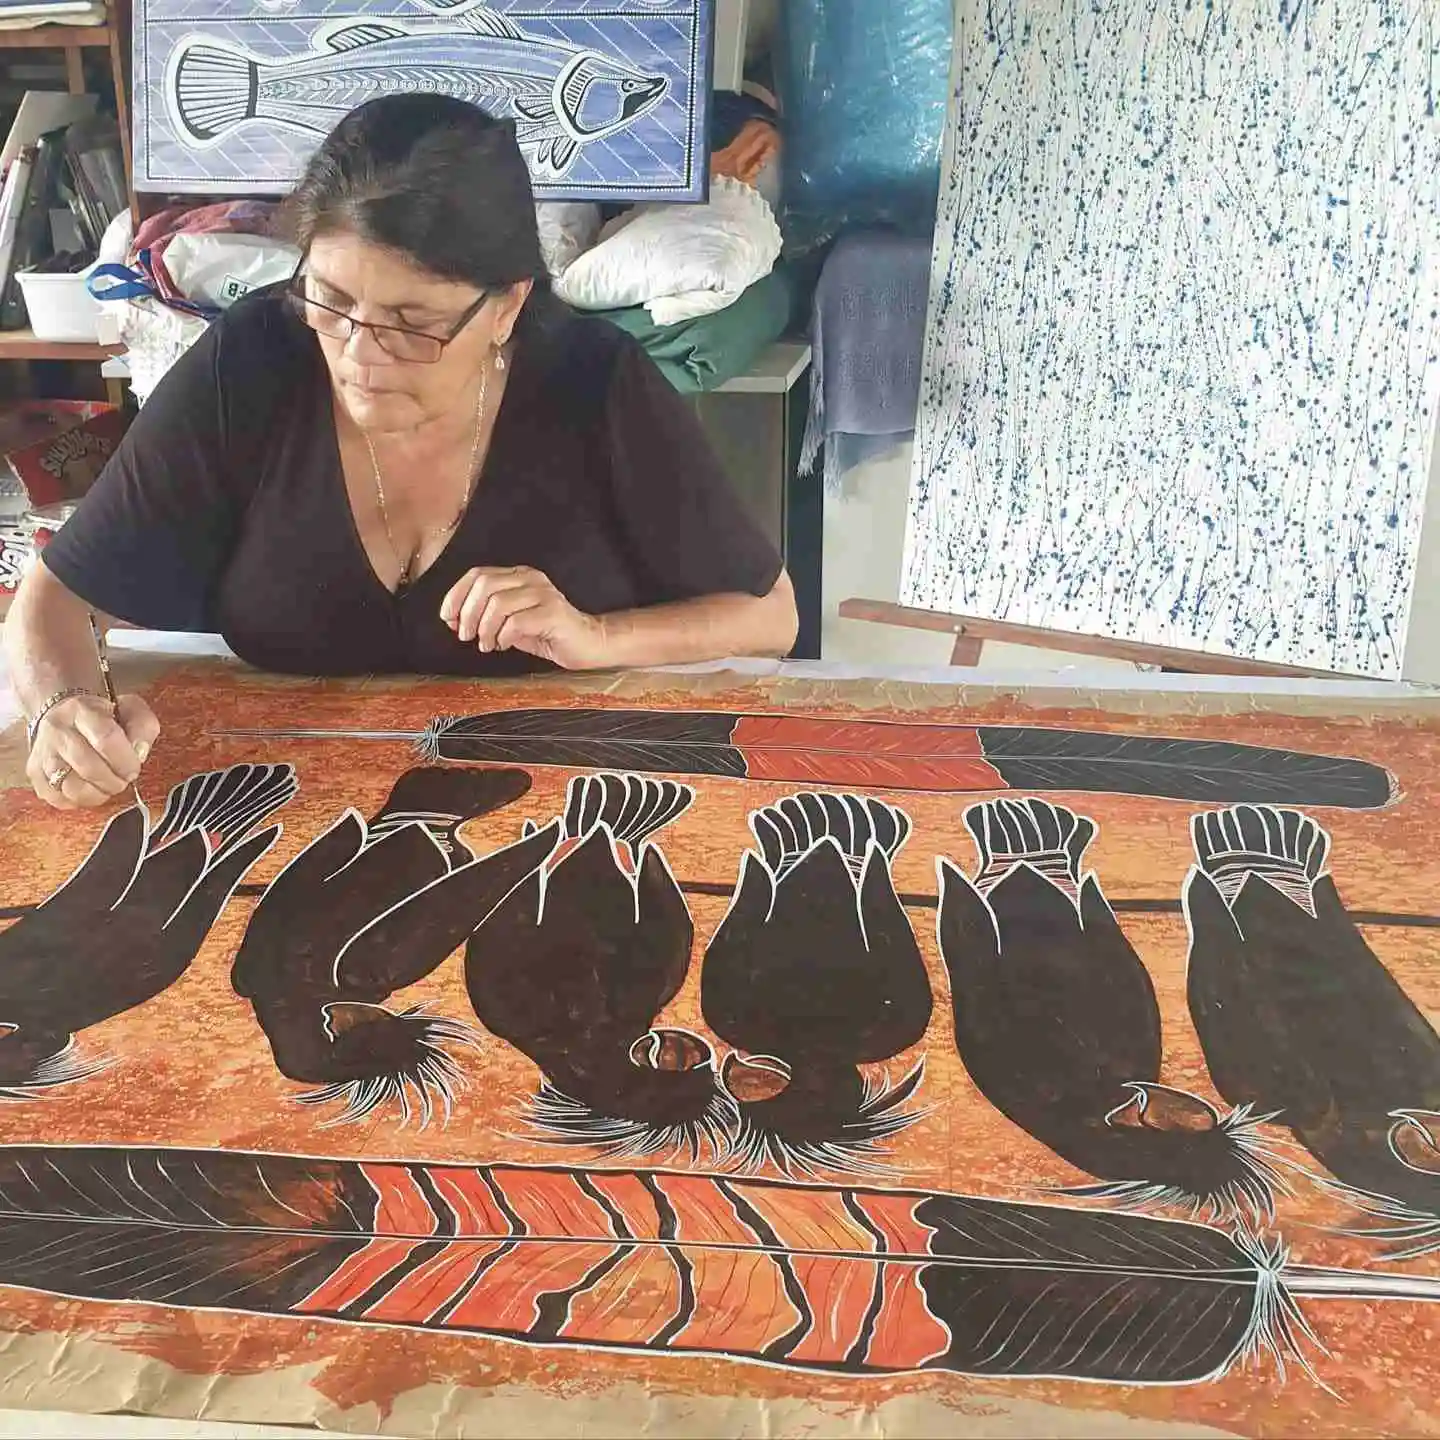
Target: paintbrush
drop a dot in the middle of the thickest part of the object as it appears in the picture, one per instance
(102, 657)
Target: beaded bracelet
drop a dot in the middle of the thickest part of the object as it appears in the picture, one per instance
(59, 698)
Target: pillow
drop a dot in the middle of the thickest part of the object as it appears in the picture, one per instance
(679, 261)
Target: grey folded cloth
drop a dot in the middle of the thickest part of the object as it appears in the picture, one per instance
(868, 338)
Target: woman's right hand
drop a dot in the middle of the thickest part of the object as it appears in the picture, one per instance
(84, 755)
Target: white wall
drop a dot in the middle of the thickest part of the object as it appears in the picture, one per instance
(731, 19)
(864, 543)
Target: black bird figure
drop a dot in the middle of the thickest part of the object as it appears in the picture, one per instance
(442, 801)
(814, 972)
(1297, 1015)
(577, 962)
(363, 911)
(1058, 1025)
(127, 924)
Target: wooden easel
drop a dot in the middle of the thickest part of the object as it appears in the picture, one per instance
(971, 634)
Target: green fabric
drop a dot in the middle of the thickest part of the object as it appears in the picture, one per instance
(702, 354)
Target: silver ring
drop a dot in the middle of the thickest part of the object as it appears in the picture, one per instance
(58, 776)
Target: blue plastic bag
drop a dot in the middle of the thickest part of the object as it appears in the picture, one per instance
(864, 85)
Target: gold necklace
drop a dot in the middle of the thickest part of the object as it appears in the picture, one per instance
(440, 531)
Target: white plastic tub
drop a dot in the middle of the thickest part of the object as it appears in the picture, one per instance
(60, 306)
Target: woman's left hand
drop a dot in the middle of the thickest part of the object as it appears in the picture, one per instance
(518, 608)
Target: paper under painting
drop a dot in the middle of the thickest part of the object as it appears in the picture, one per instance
(736, 1048)
(1182, 373)
(610, 98)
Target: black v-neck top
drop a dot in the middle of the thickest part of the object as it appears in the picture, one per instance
(225, 507)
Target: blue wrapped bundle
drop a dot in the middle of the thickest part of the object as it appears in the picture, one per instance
(864, 87)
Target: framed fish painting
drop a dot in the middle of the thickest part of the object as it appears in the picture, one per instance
(610, 98)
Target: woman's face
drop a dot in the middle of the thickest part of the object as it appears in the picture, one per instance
(383, 287)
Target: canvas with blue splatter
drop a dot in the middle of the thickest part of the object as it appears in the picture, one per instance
(1183, 362)
(610, 98)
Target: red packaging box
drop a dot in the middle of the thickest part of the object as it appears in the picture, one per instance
(57, 448)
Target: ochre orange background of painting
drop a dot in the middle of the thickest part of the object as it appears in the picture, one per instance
(192, 1067)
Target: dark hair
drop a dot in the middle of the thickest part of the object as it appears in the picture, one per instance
(437, 179)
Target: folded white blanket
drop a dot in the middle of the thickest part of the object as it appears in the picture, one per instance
(679, 261)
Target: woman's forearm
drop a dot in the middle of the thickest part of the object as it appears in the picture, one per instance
(48, 645)
(710, 628)
(84, 749)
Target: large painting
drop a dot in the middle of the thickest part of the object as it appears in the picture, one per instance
(610, 98)
(1184, 352)
(442, 1056)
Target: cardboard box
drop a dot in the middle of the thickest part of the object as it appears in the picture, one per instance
(57, 448)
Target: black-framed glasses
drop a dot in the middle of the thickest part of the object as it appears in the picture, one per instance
(413, 346)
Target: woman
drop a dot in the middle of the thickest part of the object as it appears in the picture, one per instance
(412, 459)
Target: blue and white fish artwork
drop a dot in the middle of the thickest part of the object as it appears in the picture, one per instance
(610, 98)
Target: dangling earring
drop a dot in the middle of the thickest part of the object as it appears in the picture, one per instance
(500, 354)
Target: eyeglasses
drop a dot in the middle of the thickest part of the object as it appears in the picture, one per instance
(413, 346)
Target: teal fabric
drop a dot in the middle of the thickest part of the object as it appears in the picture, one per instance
(699, 355)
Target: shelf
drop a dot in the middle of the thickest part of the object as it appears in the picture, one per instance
(55, 37)
(22, 345)
(773, 373)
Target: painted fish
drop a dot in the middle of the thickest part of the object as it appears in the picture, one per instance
(855, 1281)
(561, 97)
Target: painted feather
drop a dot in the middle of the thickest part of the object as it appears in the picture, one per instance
(890, 755)
(855, 1280)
